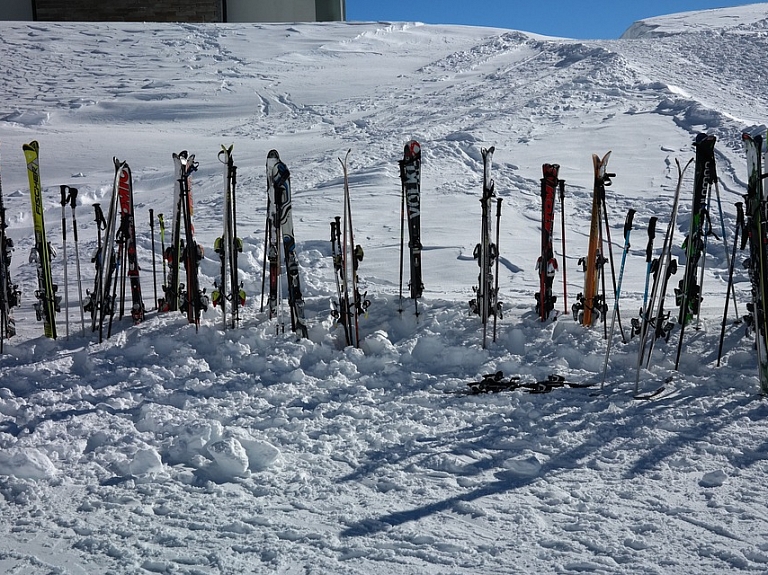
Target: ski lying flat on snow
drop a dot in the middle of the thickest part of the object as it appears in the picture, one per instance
(496, 382)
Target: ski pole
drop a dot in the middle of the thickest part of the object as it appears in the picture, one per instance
(154, 263)
(561, 184)
(739, 226)
(161, 223)
(64, 201)
(610, 257)
(72, 204)
(497, 306)
(264, 263)
(627, 232)
(732, 288)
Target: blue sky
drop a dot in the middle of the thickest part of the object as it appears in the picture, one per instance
(572, 19)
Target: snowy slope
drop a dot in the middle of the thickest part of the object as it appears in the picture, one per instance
(163, 450)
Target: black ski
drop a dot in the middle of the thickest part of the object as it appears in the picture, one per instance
(410, 177)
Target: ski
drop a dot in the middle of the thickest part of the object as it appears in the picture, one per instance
(590, 305)
(127, 235)
(410, 177)
(496, 382)
(227, 247)
(9, 292)
(688, 293)
(110, 260)
(280, 196)
(655, 316)
(341, 309)
(352, 255)
(48, 302)
(547, 264)
(172, 253)
(192, 299)
(485, 302)
(757, 263)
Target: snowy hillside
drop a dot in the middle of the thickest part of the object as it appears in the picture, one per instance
(166, 450)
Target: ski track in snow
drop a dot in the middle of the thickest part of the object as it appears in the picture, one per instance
(165, 450)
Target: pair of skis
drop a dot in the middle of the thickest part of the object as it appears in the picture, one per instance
(48, 301)
(188, 298)
(280, 238)
(346, 260)
(756, 235)
(229, 288)
(486, 303)
(9, 292)
(546, 265)
(591, 304)
(410, 207)
(115, 259)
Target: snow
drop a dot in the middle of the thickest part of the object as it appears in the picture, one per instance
(170, 450)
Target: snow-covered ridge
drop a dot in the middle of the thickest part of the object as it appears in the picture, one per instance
(752, 17)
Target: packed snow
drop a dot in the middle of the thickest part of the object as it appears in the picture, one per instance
(170, 450)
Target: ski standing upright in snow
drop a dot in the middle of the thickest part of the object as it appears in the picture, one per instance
(688, 293)
(546, 265)
(410, 177)
(351, 256)
(193, 300)
(48, 302)
(485, 303)
(756, 235)
(126, 237)
(655, 320)
(228, 246)
(9, 292)
(280, 201)
(590, 305)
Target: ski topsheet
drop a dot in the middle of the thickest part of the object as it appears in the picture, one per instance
(757, 264)
(47, 301)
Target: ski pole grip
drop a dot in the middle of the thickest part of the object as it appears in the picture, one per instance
(498, 207)
(64, 198)
(72, 198)
(628, 222)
